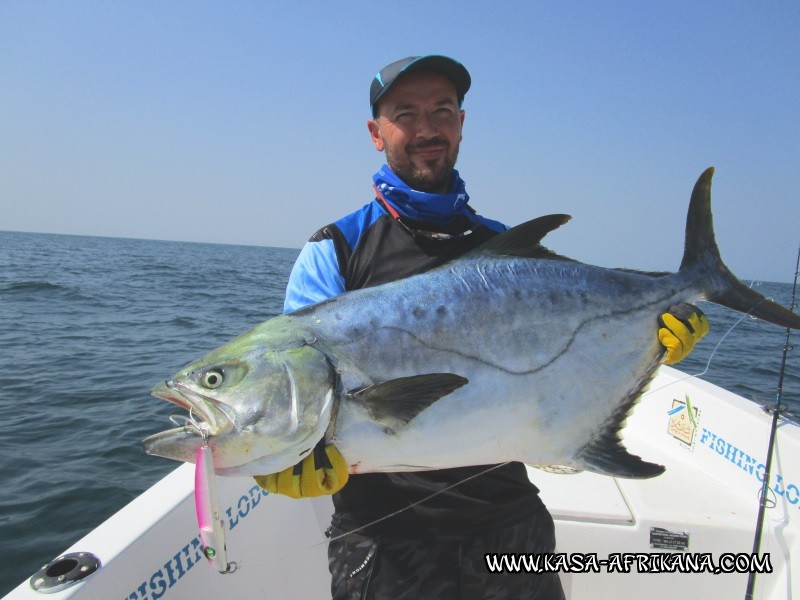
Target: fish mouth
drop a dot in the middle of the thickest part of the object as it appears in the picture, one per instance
(207, 418)
(208, 415)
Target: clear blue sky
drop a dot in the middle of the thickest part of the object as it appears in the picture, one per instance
(244, 122)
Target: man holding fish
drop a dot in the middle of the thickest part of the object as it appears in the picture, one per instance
(440, 523)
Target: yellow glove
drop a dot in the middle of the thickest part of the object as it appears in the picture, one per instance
(322, 472)
(681, 328)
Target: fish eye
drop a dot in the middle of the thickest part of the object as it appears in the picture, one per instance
(212, 379)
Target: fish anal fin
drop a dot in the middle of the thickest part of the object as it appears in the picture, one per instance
(614, 460)
(396, 402)
(557, 469)
(605, 454)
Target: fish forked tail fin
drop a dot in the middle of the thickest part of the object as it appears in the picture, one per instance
(701, 251)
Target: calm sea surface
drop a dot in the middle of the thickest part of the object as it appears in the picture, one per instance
(88, 325)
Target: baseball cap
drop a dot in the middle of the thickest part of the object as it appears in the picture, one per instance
(452, 69)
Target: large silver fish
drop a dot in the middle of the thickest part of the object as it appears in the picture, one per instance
(508, 353)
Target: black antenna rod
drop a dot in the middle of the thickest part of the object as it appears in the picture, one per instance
(762, 502)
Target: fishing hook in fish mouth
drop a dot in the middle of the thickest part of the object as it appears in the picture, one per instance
(210, 413)
(199, 427)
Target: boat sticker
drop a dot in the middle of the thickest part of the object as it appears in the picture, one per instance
(728, 450)
(682, 423)
(664, 539)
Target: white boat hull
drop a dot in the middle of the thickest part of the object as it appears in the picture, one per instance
(706, 502)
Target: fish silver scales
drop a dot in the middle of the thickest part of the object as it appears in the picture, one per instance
(521, 349)
(508, 353)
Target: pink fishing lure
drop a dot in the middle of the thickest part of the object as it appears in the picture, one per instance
(209, 520)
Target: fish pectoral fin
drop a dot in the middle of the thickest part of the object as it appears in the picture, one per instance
(396, 402)
(607, 456)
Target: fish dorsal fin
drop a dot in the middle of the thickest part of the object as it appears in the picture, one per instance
(523, 240)
(396, 402)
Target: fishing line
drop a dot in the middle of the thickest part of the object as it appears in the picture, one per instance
(191, 423)
(485, 471)
(762, 503)
(384, 518)
(708, 363)
(716, 347)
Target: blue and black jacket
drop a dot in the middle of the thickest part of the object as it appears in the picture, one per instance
(368, 247)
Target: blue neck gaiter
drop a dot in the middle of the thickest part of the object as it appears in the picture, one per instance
(422, 206)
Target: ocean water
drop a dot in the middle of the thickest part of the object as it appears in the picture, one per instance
(88, 325)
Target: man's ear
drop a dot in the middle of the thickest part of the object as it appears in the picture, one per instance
(375, 134)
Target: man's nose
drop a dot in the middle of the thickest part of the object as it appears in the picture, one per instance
(426, 125)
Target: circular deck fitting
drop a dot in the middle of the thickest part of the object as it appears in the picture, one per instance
(64, 571)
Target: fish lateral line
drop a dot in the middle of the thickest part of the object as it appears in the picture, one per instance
(702, 276)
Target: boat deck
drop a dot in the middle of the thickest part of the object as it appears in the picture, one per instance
(705, 502)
